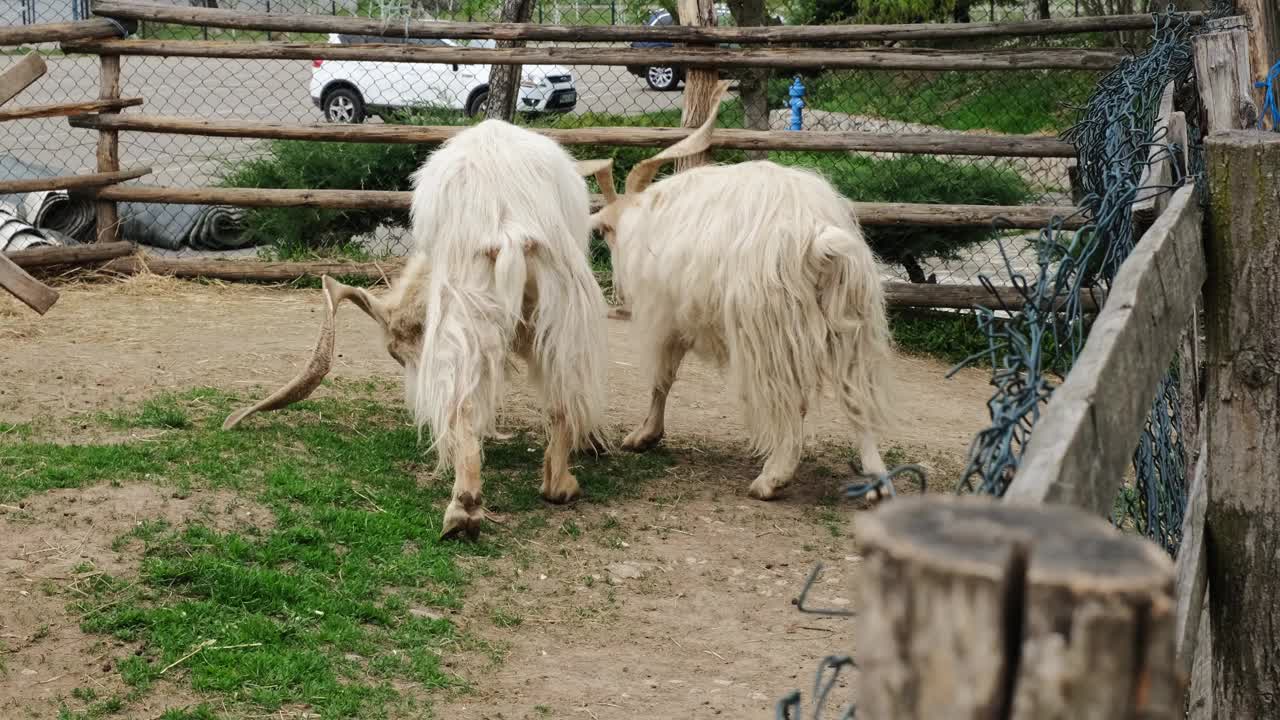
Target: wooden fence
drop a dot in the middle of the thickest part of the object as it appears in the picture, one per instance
(1021, 574)
(771, 46)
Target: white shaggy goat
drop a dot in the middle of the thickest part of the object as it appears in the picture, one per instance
(764, 269)
(500, 222)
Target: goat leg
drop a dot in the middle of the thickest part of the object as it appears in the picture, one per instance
(465, 511)
(652, 429)
(558, 484)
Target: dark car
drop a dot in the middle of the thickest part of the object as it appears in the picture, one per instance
(662, 77)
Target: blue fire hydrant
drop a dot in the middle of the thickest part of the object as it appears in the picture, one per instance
(797, 105)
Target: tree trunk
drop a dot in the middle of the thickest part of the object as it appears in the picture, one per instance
(976, 609)
(1042, 9)
(699, 83)
(753, 83)
(1243, 420)
(504, 80)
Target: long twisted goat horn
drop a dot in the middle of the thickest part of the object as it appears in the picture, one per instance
(697, 141)
(321, 360)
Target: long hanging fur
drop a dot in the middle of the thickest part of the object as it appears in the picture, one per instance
(502, 214)
(763, 268)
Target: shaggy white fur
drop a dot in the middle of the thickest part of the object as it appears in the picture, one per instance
(764, 269)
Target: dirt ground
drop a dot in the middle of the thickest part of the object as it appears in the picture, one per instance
(690, 615)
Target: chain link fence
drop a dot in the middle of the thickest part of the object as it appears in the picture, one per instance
(291, 92)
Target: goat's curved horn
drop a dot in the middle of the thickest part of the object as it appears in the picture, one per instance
(697, 141)
(321, 360)
(603, 172)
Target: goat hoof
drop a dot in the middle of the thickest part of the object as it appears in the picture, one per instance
(563, 491)
(640, 441)
(461, 521)
(764, 489)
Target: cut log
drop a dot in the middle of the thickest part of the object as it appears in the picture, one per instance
(18, 76)
(35, 294)
(67, 109)
(972, 609)
(71, 182)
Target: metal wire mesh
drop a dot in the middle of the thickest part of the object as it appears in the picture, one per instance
(1115, 141)
(1014, 102)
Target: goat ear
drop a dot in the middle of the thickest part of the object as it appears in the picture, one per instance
(602, 170)
(300, 387)
(697, 141)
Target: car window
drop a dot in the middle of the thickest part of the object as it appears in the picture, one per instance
(430, 42)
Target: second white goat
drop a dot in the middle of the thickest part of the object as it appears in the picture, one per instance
(764, 269)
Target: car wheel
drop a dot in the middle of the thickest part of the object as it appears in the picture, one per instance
(662, 79)
(344, 105)
(479, 104)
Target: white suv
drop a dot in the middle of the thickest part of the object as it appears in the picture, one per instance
(351, 90)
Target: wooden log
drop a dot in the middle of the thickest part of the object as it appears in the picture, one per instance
(1086, 436)
(71, 182)
(924, 215)
(35, 294)
(901, 294)
(701, 85)
(70, 255)
(1192, 569)
(108, 219)
(16, 77)
(788, 58)
(240, 20)
(1243, 418)
(1223, 79)
(729, 138)
(66, 109)
(62, 32)
(898, 294)
(972, 609)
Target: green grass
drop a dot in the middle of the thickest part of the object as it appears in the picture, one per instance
(314, 609)
(950, 337)
(1021, 102)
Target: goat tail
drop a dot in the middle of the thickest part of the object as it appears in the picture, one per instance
(473, 313)
(861, 347)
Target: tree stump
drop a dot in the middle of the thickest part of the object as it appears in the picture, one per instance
(973, 608)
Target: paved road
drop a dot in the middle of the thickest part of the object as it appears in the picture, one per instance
(274, 90)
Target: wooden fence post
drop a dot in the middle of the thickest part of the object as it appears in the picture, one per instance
(1264, 39)
(1243, 422)
(108, 216)
(699, 83)
(1223, 78)
(974, 609)
(504, 80)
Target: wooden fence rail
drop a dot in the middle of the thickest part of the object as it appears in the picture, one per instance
(786, 58)
(727, 138)
(32, 112)
(925, 215)
(62, 32)
(1087, 434)
(238, 20)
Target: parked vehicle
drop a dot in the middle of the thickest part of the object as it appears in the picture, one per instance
(352, 90)
(665, 78)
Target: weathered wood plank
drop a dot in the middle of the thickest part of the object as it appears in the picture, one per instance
(971, 609)
(1192, 569)
(789, 58)
(35, 294)
(67, 109)
(1086, 435)
(61, 32)
(1243, 420)
(71, 182)
(923, 215)
(728, 138)
(239, 20)
(1224, 80)
(70, 255)
(17, 77)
